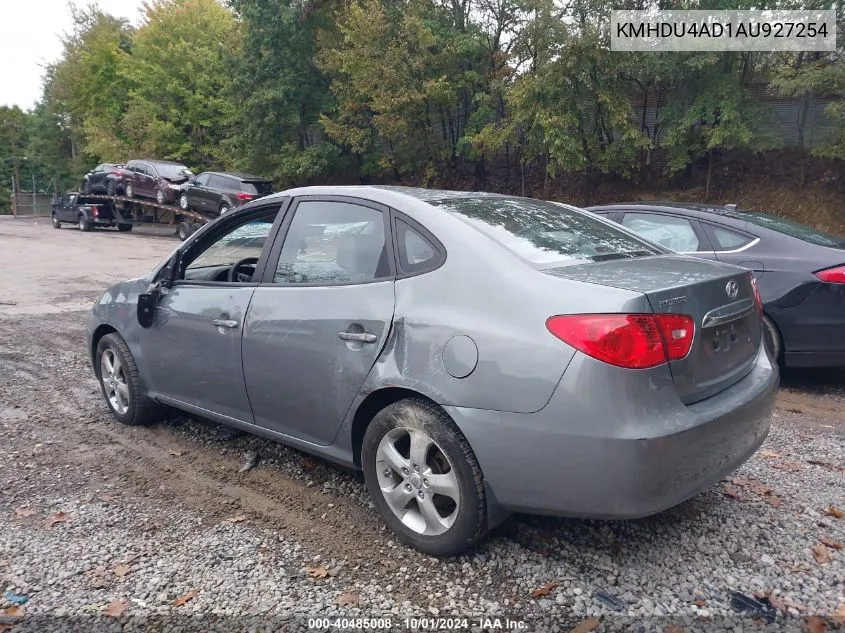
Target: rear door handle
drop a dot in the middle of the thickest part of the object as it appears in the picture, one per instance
(229, 323)
(360, 337)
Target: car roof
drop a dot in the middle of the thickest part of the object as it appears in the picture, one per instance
(668, 206)
(239, 175)
(155, 162)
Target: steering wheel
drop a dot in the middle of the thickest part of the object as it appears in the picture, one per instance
(235, 274)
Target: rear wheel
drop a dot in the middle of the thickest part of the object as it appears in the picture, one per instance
(121, 382)
(84, 225)
(224, 209)
(110, 188)
(771, 338)
(423, 478)
(55, 221)
(124, 227)
(183, 231)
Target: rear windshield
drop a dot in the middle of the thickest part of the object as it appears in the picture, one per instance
(544, 232)
(261, 188)
(793, 229)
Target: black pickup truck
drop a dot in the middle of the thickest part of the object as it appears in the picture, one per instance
(74, 208)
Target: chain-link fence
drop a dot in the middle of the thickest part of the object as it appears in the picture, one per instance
(31, 204)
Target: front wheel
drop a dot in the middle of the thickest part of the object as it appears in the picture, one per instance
(183, 202)
(55, 221)
(160, 198)
(86, 187)
(130, 193)
(183, 231)
(110, 190)
(423, 478)
(121, 383)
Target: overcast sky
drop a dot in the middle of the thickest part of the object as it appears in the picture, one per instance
(29, 39)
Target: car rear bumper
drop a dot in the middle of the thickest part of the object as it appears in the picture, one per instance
(624, 448)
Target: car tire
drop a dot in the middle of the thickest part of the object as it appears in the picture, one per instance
(772, 339)
(435, 523)
(54, 219)
(196, 226)
(183, 202)
(130, 193)
(224, 209)
(160, 197)
(110, 189)
(86, 187)
(124, 228)
(121, 384)
(183, 230)
(84, 224)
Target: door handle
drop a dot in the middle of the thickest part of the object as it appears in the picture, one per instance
(360, 337)
(229, 323)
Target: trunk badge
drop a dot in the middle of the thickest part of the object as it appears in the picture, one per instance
(732, 289)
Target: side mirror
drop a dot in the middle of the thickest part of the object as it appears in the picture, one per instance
(147, 306)
(148, 300)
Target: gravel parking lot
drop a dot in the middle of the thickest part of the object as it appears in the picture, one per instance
(103, 526)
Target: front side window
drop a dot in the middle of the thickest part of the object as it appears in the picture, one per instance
(202, 180)
(242, 241)
(333, 243)
(676, 234)
(546, 233)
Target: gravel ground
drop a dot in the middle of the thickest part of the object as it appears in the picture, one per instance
(104, 527)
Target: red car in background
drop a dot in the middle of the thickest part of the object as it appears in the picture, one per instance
(157, 179)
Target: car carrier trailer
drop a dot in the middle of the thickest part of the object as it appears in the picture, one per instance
(133, 211)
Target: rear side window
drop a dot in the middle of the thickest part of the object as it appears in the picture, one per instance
(416, 252)
(545, 232)
(725, 240)
(676, 234)
(330, 243)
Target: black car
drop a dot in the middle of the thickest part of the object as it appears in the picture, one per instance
(73, 208)
(217, 191)
(104, 178)
(800, 271)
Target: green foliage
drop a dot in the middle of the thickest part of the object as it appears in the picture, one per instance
(310, 91)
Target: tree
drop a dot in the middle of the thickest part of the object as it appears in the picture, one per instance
(179, 103)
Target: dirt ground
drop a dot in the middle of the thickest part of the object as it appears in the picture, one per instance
(64, 455)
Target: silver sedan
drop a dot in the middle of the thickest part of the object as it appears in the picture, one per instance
(473, 354)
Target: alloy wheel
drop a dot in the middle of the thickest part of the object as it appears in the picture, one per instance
(114, 382)
(183, 202)
(417, 481)
(160, 196)
(129, 190)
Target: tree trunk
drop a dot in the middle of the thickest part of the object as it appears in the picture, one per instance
(709, 175)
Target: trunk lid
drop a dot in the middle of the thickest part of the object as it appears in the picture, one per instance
(718, 297)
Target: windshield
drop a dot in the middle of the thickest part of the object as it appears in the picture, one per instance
(174, 172)
(793, 229)
(545, 232)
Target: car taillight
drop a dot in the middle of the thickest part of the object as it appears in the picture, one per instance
(634, 341)
(832, 275)
(95, 211)
(117, 173)
(243, 197)
(758, 300)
